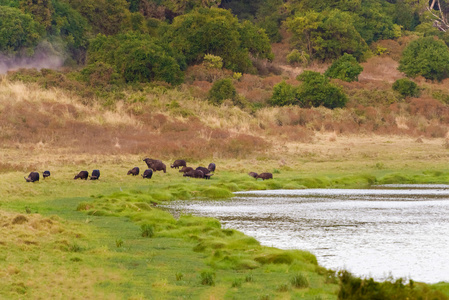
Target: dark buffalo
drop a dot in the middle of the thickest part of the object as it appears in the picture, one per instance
(253, 174)
(194, 174)
(46, 174)
(205, 171)
(34, 176)
(155, 164)
(134, 171)
(265, 176)
(179, 163)
(95, 174)
(82, 175)
(186, 169)
(147, 174)
(211, 167)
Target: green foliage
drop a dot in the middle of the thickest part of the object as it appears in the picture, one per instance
(406, 87)
(100, 74)
(18, 31)
(221, 90)
(147, 230)
(207, 278)
(137, 57)
(296, 56)
(345, 68)
(326, 35)
(284, 94)
(212, 61)
(316, 90)
(105, 16)
(352, 288)
(41, 10)
(300, 281)
(216, 31)
(426, 57)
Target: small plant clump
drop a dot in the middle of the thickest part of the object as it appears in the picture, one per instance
(406, 87)
(300, 281)
(147, 230)
(207, 278)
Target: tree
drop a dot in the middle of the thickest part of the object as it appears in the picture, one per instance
(345, 68)
(316, 90)
(41, 10)
(137, 57)
(18, 31)
(326, 35)
(425, 57)
(216, 31)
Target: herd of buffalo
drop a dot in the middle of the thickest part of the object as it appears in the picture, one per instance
(153, 166)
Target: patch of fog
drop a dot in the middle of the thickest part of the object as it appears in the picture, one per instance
(46, 56)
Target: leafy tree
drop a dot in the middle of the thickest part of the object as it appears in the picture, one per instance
(316, 90)
(137, 57)
(345, 68)
(216, 31)
(284, 94)
(18, 31)
(41, 10)
(406, 87)
(426, 57)
(105, 16)
(326, 35)
(221, 90)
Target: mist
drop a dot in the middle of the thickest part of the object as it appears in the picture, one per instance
(46, 56)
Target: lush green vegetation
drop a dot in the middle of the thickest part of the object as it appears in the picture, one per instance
(345, 68)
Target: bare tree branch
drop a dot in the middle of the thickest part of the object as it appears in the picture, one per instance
(440, 20)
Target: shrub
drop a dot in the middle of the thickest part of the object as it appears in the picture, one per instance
(295, 56)
(316, 90)
(406, 87)
(213, 61)
(345, 68)
(426, 57)
(221, 90)
(284, 94)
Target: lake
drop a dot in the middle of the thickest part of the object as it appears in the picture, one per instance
(385, 232)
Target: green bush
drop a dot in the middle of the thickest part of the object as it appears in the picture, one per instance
(147, 230)
(284, 94)
(207, 278)
(300, 281)
(406, 87)
(221, 90)
(316, 90)
(295, 56)
(345, 68)
(426, 57)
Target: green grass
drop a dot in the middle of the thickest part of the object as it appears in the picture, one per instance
(109, 238)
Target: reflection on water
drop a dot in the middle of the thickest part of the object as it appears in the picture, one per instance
(381, 232)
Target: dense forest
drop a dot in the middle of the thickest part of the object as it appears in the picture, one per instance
(385, 63)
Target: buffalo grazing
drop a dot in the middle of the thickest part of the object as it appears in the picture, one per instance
(95, 174)
(253, 174)
(147, 174)
(34, 176)
(211, 167)
(186, 169)
(46, 174)
(82, 175)
(265, 176)
(134, 171)
(179, 163)
(155, 164)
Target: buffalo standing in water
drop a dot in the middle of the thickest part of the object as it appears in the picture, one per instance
(82, 175)
(34, 176)
(147, 174)
(134, 171)
(95, 174)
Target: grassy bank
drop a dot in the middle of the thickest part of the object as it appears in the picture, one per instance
(109, 239)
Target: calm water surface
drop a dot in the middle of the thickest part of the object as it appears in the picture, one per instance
(398, 231)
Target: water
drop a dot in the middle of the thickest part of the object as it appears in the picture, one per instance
(381, 233)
